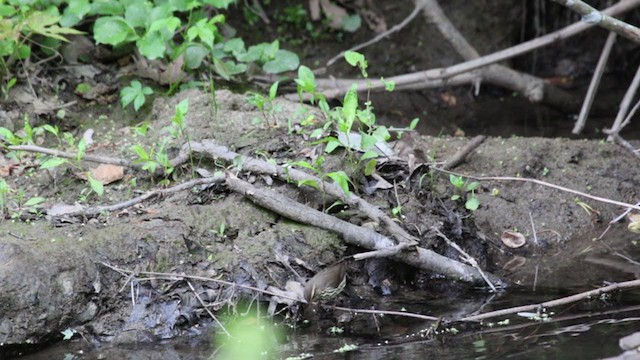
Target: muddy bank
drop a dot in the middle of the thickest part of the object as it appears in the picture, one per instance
(55, 278)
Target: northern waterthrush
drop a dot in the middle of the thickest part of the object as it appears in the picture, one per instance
(327, 284)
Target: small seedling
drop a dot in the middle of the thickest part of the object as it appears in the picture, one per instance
(135, 93)
(464, 189)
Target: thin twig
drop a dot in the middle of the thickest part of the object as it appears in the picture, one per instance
(468, 258)
(176, 276)
(395, 28)
(543, 183)
(206, 308)
(595, 83)
(591, 294)
(624, 105)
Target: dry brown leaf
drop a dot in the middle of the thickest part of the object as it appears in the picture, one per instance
(513, 239)
(107, 173)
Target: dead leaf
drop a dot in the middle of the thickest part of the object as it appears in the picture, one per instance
(513, 239)
(513, 264)
(334, 13)
(314, 9)
(107, 173)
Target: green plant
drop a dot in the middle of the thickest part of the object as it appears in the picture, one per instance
(265, 103)
(464, 189)
(339, 177)
(135, 93)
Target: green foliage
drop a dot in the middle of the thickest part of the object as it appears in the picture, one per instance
(135, 93)
(173, 31)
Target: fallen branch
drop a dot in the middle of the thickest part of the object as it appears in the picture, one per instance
(591, 15)
(214, 151)
(435, 77)
(460, 156)
(624, 106)
(591, 294)
(356, 235)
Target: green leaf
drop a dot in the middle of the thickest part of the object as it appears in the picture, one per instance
(234, 46)
(472, 203)
(138, 101)
(284, 61)
(79, 8)
(308, 182)
(137, 13)
(273, 90)
(304, 164)
(306, 80)
(455, 197)
(388, 85)
(371, 167)
(456, 181)
(96, 185)
(414, 123)
(111, 30)
(34, 201)
(331, 145)
(193, 56)
(221, 69)
(351, 23)
(341, 178)
(7, 10)
(151, 45)
(141, 152)
(355, 58)
(349, 108)
(382, 133)
(106, 7)
(472, 186)
(369, 155)
(52, 163)
(220, 4)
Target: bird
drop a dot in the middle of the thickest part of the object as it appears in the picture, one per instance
(327, 284)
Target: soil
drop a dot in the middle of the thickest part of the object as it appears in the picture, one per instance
(59, 275)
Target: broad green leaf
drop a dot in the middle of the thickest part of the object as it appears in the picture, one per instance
(382, 133)
(234, 46)
(472, 203)
(414, 123)
(96, 185)
(111, 30)
(306, 79)
(341, 178)
(151, 45)
(79, 8)
(354, 58)
(472, 186)
(284, 60)
(371, 167)
(7, 10)
(331, 145)
(137, 13)
(106, 7)
(369, 155)
(52, 163)
(34, 201)
(193, 56)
